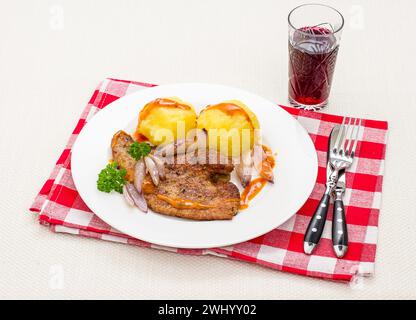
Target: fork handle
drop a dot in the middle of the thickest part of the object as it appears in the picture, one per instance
(316, 225)
(339, 227)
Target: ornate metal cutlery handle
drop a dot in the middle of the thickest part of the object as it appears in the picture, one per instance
(339, 225)
(316, 225)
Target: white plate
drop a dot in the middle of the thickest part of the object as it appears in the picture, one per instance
(295, 172)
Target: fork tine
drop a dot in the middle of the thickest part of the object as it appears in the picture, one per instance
(356, 139)
(344, 136)
(340, 132)
(350, 136)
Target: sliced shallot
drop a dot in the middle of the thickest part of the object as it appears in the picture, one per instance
(159, 165)
(244, 168)
(258, 157)
(166, 150)
(151, 167)
(201, 138)
(137, 198)
(172, 148)
(127, 196)
(239, 169)
(139, 174)
(268, 164)
(263, 162)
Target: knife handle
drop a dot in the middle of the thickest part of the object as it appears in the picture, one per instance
(316, 225)
(339, 227)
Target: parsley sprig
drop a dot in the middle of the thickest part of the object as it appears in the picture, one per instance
(139, 150)
(111, 178)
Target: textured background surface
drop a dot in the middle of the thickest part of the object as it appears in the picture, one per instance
(53, 54)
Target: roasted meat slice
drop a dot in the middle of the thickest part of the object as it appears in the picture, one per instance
(120, 145)
(194, 191)
(192, 188)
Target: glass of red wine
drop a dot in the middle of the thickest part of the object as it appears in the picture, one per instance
(314, 37)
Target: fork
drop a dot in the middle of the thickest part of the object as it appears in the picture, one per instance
(341, 156)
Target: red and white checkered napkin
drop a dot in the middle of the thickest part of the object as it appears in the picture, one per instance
(62, 209)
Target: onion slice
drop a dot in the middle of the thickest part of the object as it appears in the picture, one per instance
(262, 164)
(159, 165)
(201, 139)
(175, 147)
(244, 168)
(127, 196)
(167, 149)
(151, 167)
(139, 174)
(243, 173)
(137, 198)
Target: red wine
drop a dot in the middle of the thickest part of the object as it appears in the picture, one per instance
(312, 56)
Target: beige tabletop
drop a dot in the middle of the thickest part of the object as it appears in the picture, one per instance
(52, 55)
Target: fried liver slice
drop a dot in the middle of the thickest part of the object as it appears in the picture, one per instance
(206, 184)
(120, 144)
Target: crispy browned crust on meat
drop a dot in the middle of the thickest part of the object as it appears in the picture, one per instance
(197, 183)
(120, 145)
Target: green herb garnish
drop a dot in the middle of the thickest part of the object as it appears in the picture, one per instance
(139, 150)
(111, 178)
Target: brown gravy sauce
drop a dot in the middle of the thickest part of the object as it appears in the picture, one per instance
(161, 102)
(252, 190)
(184, 203)
(230, 109)
(178, 203)
(268, 163)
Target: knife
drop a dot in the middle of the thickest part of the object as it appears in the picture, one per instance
(339, 224)
(316, 225)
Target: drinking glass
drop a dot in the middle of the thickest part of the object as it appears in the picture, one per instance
(314, 37)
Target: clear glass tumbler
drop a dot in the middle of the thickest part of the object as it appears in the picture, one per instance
(314, 37)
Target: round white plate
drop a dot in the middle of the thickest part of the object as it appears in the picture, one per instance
(295, 172)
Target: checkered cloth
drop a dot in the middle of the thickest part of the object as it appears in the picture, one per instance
(61, 208)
